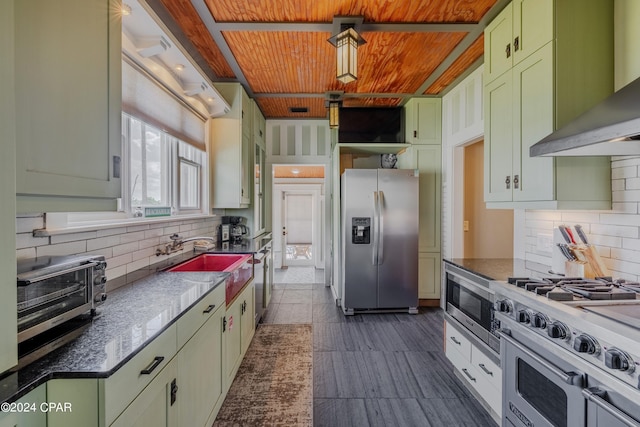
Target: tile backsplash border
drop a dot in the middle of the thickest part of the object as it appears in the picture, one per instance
(616, 233)
(126, 248)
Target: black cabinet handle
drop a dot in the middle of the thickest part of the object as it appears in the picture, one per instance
(508, 50)
(415, 133)
(516, 181)
(466, 372)
(224, 324)
(516, 43)
(174, 391)
(152, 366)
(484, 368)
(209, 309)
(455, 340)
(508, 182)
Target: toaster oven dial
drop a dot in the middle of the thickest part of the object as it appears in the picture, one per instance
(100, 298)
(99, 280)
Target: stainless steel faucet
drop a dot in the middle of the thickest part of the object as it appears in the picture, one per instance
(178, 242)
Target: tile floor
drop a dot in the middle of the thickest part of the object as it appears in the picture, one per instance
(373, 369)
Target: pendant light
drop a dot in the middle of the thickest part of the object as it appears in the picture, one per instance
(346, 43)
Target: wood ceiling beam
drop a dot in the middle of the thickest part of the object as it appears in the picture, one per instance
(315, 27)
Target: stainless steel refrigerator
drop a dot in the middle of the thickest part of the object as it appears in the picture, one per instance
(379, 215)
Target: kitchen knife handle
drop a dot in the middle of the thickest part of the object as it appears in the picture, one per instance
(570, 233)
(564, 233)
(581, 234)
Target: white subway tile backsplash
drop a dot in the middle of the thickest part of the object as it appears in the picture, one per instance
(111, 231)
(103, 242)
(72, 237)
(625, 196)
(544, 215)
(623, 161)
(624, 172)
(69, 248)
(620, 219)
(26, 240)
(627, 208)
(28, 224)
(614, 230)
(125, 248)
(632, 184)
(600, 240)
(575, 217)
(625, 255)
(625, 266)
(618, 185)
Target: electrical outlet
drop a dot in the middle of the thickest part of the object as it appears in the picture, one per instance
(465, 226)
(544, 242)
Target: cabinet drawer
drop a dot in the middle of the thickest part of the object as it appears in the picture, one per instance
(476, 380)
(455, 339)
(191, 321)
(122, 387)
(486, 368)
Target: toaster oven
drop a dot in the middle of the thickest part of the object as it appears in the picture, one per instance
(54, 289)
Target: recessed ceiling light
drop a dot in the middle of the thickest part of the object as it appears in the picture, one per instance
(126, 9)
(210, 99)
(179, 67)
(295, 171)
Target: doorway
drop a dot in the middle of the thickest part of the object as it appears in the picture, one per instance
(488, 233)
(297, 228)
(298, 216)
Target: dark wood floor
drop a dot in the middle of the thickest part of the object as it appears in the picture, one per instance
(376, 369)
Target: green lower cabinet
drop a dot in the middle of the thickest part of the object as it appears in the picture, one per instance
(28, 411)
(200, 379)
(429, 275)
(154, 406)
(248, 323)
(232, 341)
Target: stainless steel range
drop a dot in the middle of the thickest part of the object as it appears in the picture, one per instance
(570, 352)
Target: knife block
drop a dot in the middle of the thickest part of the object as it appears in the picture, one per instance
(578, 269)
(558, 260)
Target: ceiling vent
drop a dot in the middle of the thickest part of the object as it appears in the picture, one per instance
(299, 109)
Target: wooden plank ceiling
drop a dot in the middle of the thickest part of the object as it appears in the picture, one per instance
(278, 49)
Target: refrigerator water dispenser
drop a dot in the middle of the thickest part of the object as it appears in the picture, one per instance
(360, 231)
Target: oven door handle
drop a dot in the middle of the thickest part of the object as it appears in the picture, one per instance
(592, 395)
(571, 378)
(26, 282)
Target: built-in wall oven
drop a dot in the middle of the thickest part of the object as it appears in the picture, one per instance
(470, 302)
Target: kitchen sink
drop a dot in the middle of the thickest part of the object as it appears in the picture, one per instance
(240, 267)
(212, 262)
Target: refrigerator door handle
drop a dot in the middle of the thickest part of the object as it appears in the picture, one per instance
(380, 227)
(376, 221)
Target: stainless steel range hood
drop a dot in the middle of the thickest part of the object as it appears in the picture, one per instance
(611, 128)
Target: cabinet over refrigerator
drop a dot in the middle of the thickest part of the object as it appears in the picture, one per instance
(379, 240)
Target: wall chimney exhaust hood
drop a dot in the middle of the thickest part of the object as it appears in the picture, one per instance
(611, 128)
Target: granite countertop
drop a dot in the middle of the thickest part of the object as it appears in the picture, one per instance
(134, 314)
(500, 268)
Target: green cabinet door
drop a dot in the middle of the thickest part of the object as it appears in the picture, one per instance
(200, 373)
(154, 405)
(532, 27)
(428, 160)
(497, 45)
(232, 340)
(248, 323)
(424, 121)
(31, 413)
(498, 147)
(68, 101)
(533, 107)
(429, 265)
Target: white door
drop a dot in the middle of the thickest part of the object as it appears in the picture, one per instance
(298, 216)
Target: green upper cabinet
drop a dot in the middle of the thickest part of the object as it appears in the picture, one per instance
(540, 92)
(231, 150)
(423, 121)
(68, 107)
(523, 27)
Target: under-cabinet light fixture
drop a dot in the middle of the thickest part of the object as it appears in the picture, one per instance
(125, 9)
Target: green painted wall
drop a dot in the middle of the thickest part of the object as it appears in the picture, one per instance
(627, 41)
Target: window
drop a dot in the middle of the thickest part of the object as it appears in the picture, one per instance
(160, 170)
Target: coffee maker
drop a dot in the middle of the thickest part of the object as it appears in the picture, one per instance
(237, 229)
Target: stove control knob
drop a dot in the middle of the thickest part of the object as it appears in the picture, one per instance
(586, 344)
(540, 320)
(617, 359)
(504, 306)
(558, 330)
(525, 316)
